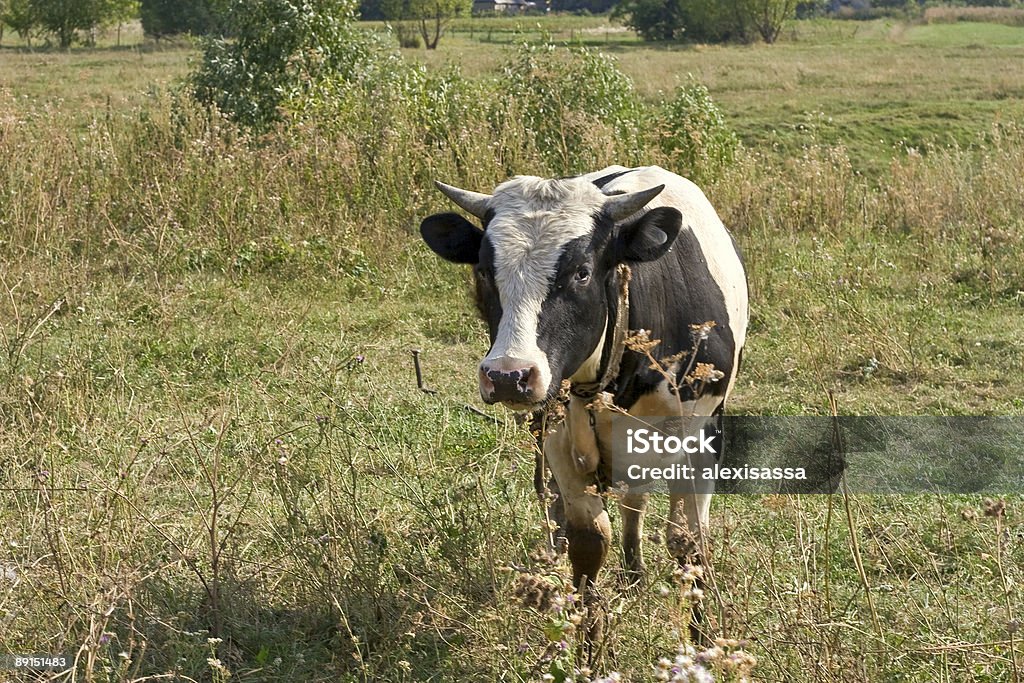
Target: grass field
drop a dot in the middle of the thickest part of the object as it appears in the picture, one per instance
(216, 461)
(890, 85)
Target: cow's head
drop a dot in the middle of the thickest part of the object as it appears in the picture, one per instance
(543, 262)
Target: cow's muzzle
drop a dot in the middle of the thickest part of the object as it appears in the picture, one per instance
(514, 382)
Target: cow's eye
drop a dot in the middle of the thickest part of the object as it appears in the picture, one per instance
(583, 275)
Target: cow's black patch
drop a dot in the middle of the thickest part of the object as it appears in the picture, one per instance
(488, 303)
(666, 297)
(604, 180)
(573, 316)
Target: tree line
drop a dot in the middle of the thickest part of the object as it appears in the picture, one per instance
(67, 21)
(64, 20)
(423, 22)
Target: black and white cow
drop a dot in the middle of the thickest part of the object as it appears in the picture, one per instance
(546, 262)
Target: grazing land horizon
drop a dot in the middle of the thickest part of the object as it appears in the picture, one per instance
(214, 456)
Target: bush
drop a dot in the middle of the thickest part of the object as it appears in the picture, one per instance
(710, 21)
(582, 110)
(281, 49)
(693, 134)
(652, 19)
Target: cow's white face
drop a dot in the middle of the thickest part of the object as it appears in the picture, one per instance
(527, 239)
(544, 265)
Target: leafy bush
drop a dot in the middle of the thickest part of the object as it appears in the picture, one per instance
(581, 108)
(711, 21)
(653, 19)
(693, 134)
(280, 49)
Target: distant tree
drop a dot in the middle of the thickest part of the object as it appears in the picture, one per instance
(712, 21)
(65, 18)
(21, 16)
(118, 12)
(768, 16)
(807, 9)
(433, 16)
(399, 13)
(592, 6)
(709, 21)
(370, 10)
(653, 19)
(162, 18)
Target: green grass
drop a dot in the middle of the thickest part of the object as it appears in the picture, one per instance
(891, 84)
(209, 419)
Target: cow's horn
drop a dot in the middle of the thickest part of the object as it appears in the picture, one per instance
(473, 202)
(620, 206)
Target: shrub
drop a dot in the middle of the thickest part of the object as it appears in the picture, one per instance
(693, 134)
(280, 49)
(581, 108)
(652, 19)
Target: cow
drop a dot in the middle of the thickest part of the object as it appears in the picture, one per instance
(563, 268)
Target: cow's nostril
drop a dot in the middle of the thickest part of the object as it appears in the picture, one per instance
(512, 384)
(518, 379)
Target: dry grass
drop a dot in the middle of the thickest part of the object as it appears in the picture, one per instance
(1010, 16)
(210, 428)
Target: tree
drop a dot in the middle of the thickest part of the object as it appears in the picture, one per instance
(712, 21)
(399, 14)
(279, 52)
(65, 18)
(433, 16)
(21, 16)
(117, 12)
(768, 16)
(162, 18)
(653, 19)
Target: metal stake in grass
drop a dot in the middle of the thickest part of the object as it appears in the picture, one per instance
(419, 373)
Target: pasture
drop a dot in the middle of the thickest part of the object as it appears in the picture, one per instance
(215, 461)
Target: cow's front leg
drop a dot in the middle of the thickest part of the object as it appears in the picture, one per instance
(687, 522)
(587, 527)
(588, 532)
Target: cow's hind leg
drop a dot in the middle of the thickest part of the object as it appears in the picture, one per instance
(687, 524)
(632, 507)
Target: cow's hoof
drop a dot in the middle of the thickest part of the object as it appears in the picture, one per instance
(684, 547)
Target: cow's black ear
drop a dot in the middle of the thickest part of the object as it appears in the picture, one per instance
(452, 237)
(650, 236)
